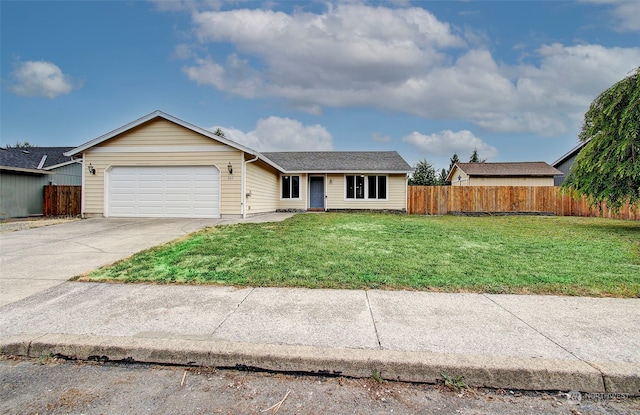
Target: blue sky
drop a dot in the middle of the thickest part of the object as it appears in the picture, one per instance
(426, 78)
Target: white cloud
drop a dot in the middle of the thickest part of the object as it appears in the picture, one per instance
(626, 13)
(447, 142)
(40, 79)
(282, 134)
(401, 60)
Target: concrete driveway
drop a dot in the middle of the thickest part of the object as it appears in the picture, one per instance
(36, 259)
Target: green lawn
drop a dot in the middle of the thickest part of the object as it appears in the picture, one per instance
(507, 254)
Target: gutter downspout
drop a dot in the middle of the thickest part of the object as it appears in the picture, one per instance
(244, 184)
(83, 190)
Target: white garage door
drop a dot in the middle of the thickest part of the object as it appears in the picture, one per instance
(172, 192)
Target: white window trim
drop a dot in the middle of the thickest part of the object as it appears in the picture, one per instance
(366, 188)
(291, 189)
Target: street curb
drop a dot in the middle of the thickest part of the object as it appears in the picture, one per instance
(422, 367)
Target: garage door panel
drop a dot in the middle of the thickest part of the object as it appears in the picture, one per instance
(169, 191)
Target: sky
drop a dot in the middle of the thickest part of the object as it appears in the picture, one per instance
(511, 79)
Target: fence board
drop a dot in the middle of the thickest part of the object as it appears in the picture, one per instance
(62, 200)
(441, 200)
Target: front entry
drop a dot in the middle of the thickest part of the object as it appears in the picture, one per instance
(316, 188)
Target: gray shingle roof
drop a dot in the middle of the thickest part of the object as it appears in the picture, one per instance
(526, 168)
(340, 161)
(31, 157)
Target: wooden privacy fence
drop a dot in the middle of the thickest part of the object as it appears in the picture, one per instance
(62, 200)
(441, 200)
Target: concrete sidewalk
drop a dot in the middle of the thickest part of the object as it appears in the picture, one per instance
(500, 341)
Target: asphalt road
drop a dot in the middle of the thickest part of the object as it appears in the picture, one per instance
(53, 386)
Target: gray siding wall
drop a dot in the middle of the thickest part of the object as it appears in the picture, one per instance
(564, 167)
(21, 195)
(69, 175)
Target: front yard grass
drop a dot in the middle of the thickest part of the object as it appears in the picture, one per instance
(505, 254)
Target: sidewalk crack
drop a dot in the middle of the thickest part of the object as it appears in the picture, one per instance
(373, 320)
(232, 311)
(602, 375)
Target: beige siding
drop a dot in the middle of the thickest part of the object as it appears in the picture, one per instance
(262, 185)
(160, 132)
(301, 203)
(396, 194)
(160, 136)
(511, 181)
(464, 178)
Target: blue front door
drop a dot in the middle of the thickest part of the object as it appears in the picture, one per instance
(316, 188)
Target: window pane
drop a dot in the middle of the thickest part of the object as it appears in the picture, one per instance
(382, 187)
(295, 187)
(350, 187)
(359, 187)
(286, 187)
(371, 191)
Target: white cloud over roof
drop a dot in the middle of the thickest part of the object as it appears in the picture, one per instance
(281, 134)
(447, 142)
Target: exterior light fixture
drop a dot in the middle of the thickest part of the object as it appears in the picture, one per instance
(92, 170)
(230, 168)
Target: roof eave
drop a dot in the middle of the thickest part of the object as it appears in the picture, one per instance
(347, 171)
(66, 163)
(569, 154)
(23, 170)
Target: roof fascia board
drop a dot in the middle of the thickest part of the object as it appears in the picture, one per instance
(569, 154)
(347, 171)
(66, 163)
(22, 170)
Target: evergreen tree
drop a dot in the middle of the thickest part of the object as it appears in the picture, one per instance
(475, 158)
(607, 169)
(219, 133)
(423, 175)
(442, 180)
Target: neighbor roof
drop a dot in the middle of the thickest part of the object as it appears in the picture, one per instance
(569, 154)
(525, 168)
(340, 161)
(33, 159)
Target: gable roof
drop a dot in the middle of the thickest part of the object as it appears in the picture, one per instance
(339, 161)
(308, 162)
(524, 168)
(149, 117)
(34, 159)
(569, 154)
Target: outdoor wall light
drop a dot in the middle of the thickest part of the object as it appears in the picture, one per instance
(230, 168)
(92, 170)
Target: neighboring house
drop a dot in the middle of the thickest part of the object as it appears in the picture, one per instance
(24, 172)
(565, 162)
(160, 166)
(535, 173)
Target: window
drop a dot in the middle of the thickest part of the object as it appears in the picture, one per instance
(290, 187)
(374, 187)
